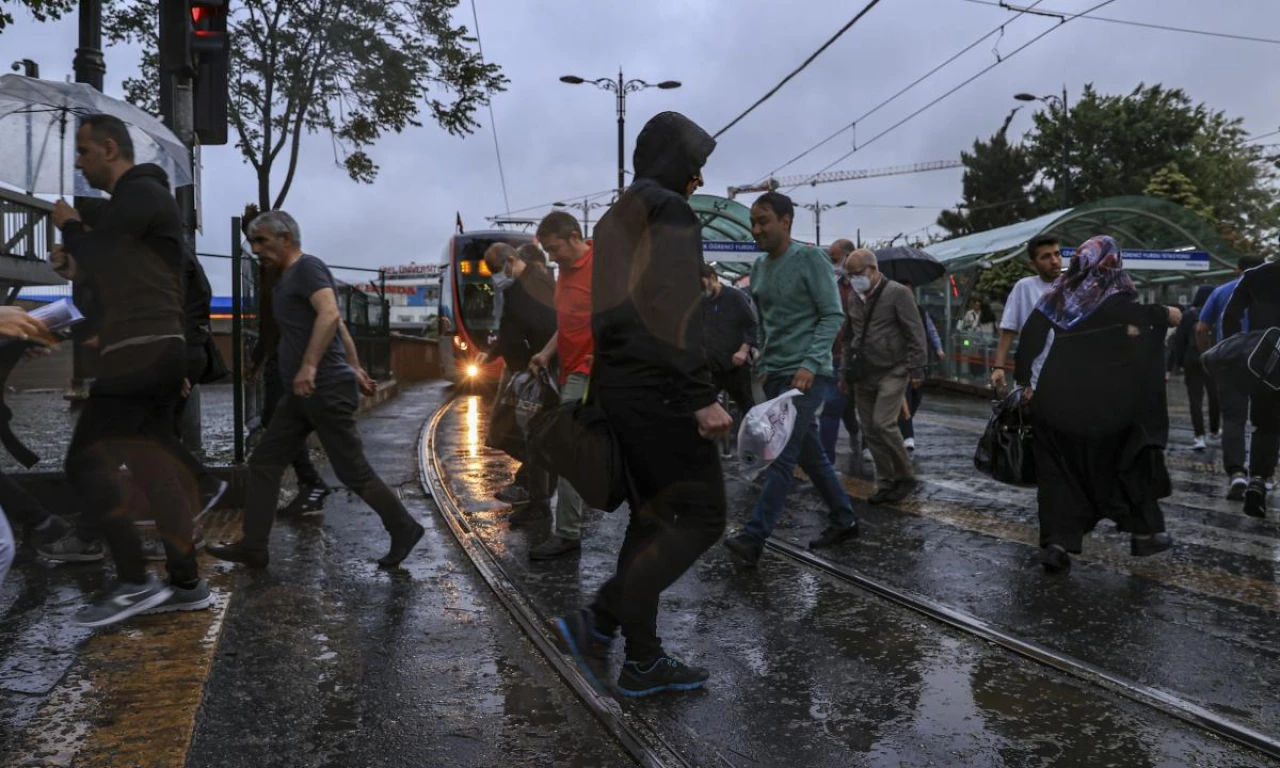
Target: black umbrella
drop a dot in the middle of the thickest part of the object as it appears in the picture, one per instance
(906, 264)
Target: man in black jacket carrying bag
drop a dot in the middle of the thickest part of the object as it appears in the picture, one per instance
(650, 377)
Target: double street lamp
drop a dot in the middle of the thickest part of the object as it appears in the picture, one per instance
(1066, 137)
(585, 206)
(817, 208)
(620, 89)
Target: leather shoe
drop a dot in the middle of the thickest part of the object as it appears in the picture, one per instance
(901, 490)
(401, 545)
(881, 496)
(1151, 545)
(529, 513)
(833, 536)
(1055, 559)
(745, 548)
(235, 552)
(555, 546)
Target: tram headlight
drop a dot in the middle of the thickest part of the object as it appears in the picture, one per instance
(472, 371)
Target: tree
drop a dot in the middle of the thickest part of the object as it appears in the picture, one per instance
(1118, 145)
(1172, 184)
(999, 186)
(354, 69)
(42, 10)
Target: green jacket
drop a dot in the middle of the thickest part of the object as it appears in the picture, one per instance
(800, 312)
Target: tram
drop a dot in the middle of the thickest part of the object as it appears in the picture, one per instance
(467, 317)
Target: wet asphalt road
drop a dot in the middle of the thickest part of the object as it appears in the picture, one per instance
(324, 660)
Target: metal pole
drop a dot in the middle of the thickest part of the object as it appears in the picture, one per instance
(90, 69)
(622, 115)
(586, 219)
(1066, 172)
(237, 339)
(817, 221)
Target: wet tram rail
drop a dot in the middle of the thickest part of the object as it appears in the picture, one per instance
(836, 660)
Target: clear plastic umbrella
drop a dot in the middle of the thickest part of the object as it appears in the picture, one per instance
(38, 123)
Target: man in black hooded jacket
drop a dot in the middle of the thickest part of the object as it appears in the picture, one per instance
(650, 376)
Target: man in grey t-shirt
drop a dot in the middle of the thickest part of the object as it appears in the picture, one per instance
(323, 399)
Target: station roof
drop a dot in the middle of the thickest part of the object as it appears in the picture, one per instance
(1135, 221)
(724, 219)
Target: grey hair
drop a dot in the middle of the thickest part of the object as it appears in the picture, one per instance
(865, 256)
(277, 223)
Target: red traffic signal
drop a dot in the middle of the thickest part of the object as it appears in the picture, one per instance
(208, 26)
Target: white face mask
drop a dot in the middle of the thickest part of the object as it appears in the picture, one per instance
(860, 283)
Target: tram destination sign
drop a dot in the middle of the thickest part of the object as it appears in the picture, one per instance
(1162, 261)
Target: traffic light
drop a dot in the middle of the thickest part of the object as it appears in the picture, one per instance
(194, 44)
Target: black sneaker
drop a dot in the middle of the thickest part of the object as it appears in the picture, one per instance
(833, 536)
(308, 502)
(234, 552)
(1150, 545)
(212, 489)
(1255, 498)
(529, 513)
(662, 674)
(49, 530)
(513, 494)
(1239, 484)
(745, 548)
(555, 546)
(401, 545)
(590, 649)
(122, 601)
(71, 549)
(1055, 559)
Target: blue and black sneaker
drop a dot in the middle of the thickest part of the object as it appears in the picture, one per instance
(662, 674)
(589, 648)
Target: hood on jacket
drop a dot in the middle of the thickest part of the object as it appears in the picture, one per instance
(148, 171)
(671, 148)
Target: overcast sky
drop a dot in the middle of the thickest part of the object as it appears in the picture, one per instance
(559, 141)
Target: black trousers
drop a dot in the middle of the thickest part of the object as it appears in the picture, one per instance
(677, 512)
(130, 415)
(737, 383)
(1264, 447)
(273, 390)
(1198, 385)
(330, 413)
(906, 426)
(20, 506)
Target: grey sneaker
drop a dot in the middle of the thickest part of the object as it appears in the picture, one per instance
(198, 598)
(153, 549)
(70, 549)
(122, 601)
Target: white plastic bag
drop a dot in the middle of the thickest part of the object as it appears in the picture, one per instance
(765, 432)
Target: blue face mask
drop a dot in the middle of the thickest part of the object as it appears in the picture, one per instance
(860, 283)
(501, 280)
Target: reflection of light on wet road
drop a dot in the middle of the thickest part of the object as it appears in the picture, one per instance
(473, 426)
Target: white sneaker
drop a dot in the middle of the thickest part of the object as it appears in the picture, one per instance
(910, 444)
(1198, 445)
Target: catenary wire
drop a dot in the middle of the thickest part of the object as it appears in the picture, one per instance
(1147, 25)
(493, 123)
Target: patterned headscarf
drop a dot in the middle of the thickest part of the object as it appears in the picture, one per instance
(1096, 274)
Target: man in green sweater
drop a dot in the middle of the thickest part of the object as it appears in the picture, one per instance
(800, 315)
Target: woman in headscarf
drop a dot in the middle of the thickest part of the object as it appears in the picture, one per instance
(1184, 352)
(1099, 414)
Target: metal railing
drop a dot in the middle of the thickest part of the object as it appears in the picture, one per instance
(26, 230)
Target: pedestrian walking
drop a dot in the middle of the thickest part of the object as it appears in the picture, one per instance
(324, 399)
(1184, 353)
(528, 323)
(1098, 407)
(800, 317)
(651, 379)
(884, 355)
(1044, 257)
(915, 394)
(133, 262)
(573, 345)
(978, 325)
(1258, 295)
(839, 406)
(729, 338)
(1233, 403)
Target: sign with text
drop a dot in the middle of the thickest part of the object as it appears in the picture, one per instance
(1166, 261)
(730, 250)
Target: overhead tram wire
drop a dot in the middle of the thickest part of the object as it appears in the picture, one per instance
(493, 123)
(800, 68)
(897, 95)
(985, 70)
(549, 203)
(1252, 139)
(1144, 24)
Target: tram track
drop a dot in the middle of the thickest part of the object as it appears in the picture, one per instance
(650, 748)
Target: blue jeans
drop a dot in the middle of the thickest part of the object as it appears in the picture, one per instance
(804, 449)
(837, 407)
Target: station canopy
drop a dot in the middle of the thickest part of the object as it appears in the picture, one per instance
(1136, 222)
(725, 221)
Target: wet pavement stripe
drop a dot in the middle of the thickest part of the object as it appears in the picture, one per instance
(132, 695)
(1206, 581)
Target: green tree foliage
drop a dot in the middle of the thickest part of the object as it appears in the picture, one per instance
(1170, 183)
(1000, 186)
(1119, 144)
(352, 69)
(42, 10)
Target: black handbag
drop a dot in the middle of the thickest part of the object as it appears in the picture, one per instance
(1005, 452)
(217, 369)
(575, 441)
(855, 368)
(1248, 363)
(504, 433)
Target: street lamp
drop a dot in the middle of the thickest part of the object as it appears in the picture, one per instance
(817, 208)
(585, 206)
(1066, 137)
(620, 89)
